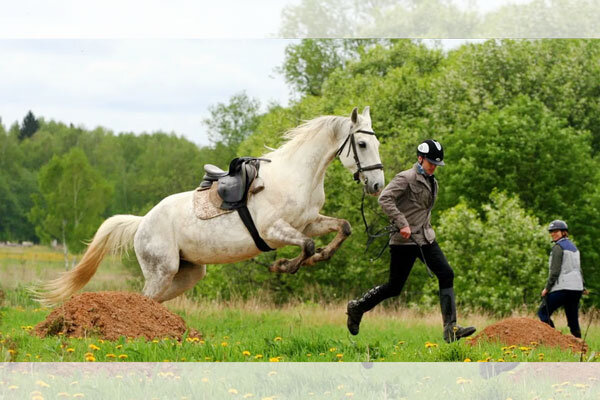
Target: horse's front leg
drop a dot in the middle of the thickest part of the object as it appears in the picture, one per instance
(283, 233)
(322, 226)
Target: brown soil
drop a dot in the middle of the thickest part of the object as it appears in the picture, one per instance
(525, 332)
(110, 315)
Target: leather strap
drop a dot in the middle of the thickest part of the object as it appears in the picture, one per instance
(244, 214)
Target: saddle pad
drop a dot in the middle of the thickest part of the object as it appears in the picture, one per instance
(207, 203)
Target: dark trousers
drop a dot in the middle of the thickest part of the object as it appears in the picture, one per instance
(401, 263)
(569, 299)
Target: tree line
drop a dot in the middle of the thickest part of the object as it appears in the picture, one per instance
(518, 119)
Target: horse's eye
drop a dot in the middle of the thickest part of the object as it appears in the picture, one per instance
(362, 145)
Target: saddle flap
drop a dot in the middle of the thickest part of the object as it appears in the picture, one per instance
(232, 190)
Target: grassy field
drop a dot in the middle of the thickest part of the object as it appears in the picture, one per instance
(247, 332)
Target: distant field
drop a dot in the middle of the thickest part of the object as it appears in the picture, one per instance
(247, 331)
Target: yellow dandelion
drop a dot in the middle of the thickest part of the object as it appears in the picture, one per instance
(90, 358)
(111, 355)
(308, 354)
(11, 351)
(224, 344)
(78, 395)
(401, 342)
(462, 381)
(274, 359)
(13, 387)
(332, 349)
(258, 356)
(339, 355)
(207, 358)
(73, 383)
(429, 344)
(93, 347)
(36, 393)
(155, 341)
(340, 387)
(183, 359)
(123, 356)
(247, 395)
(321, 354)
(70, 350)
(42, 384)
(119, 346)
(467, 359)
(232, 391)
(524, 348)
(245, 353)
(278, 339)
(500, 360)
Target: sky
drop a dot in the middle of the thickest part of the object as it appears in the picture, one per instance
(137, 66)
(138, 85)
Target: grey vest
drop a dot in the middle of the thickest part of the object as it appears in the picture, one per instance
(570, 277)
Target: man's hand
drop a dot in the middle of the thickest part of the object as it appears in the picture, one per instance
(405, 232)
(544, 292)
(586, 292)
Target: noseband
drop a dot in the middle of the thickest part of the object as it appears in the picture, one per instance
(350, 138)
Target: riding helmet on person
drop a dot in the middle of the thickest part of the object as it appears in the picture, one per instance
(431, 150)
(558, 225)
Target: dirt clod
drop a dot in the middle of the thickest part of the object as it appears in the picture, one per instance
(111, 315)
(527, 331)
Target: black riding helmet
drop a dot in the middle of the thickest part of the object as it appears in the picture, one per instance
(558, 225)
(432, 151)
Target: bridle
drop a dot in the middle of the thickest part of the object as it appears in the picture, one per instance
(352, 146)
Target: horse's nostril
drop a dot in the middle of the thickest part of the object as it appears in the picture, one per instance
(376, 187)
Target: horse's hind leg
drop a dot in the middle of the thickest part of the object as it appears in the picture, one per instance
(185, 279)
(158, 268)
(284, 233)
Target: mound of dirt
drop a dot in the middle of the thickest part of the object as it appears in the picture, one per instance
(110, 315)
(524, 332)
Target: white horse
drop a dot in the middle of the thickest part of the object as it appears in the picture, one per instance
(173, 246)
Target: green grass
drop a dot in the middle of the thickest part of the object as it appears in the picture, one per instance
(249, 331)
(243, 332)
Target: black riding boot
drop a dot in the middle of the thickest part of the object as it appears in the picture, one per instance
(452, 332)
(356, 308)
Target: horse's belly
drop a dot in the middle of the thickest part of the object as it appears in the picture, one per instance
(217, 241)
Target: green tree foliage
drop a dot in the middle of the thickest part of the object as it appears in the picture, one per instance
(71, 201)
(500, 260)
(230, 124)
(308, 63)
(30, 126)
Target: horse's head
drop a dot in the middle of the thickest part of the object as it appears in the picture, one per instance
(362, 155)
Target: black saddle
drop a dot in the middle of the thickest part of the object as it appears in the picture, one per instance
(233, 188)
(233, 185)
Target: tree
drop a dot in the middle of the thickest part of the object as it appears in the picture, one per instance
(500, 260)
(308, 63)
(229, 124)
(72, 198)
(30, 126)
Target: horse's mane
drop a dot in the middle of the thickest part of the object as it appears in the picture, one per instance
(296, 137)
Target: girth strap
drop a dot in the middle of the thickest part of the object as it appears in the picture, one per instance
(244, 214)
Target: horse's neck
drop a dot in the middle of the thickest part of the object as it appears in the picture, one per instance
(309, 162)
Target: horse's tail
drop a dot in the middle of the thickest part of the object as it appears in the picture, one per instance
(114, 235)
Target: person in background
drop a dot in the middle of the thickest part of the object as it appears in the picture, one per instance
(565, 284)
(407, 200)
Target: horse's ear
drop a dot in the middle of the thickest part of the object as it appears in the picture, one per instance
(354, 115)
(367, 112)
